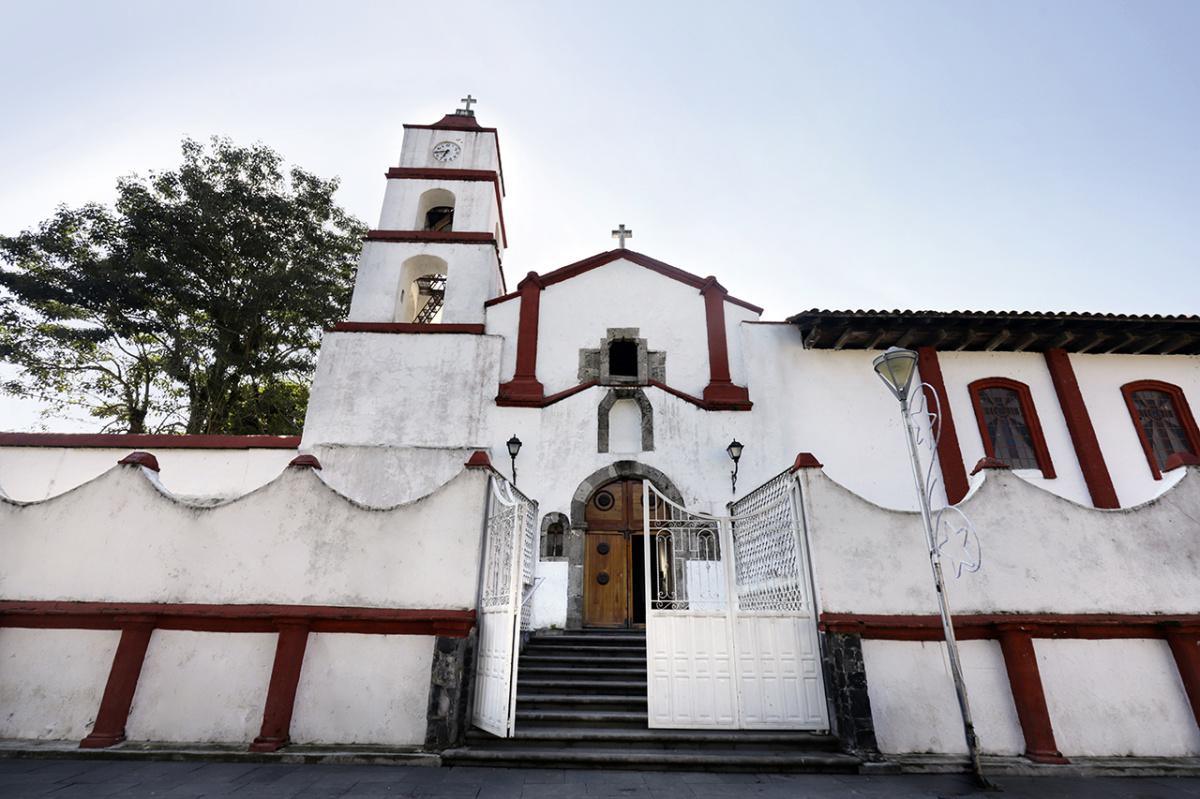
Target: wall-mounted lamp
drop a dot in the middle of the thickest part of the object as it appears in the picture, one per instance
(735, 454)
(514, 446)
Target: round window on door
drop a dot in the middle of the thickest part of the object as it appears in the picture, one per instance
(604, 500)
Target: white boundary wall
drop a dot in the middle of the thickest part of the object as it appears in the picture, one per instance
(122, 537)
(1041, 555)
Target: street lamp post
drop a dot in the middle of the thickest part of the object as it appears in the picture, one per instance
(896, 368)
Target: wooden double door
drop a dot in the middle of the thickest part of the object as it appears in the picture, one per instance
(614, 585)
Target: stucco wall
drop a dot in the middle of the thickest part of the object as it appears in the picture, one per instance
(1041, 553)
(363, 689)
(914, 705)
(51, 681)
(408, 390)
(28, 474)
(295, 541)
(205, 687)
(1119, 698)
(479, 150)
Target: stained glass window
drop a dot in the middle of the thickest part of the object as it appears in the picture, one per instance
(1007, 427)
(1159, 420)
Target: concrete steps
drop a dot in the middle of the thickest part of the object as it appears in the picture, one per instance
(581, 703)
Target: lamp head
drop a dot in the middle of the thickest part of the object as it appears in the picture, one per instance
(895, 368)
(514, 446)
(735, 450)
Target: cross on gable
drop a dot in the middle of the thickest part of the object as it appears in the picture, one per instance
(622, 234)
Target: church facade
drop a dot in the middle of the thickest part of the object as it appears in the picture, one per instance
(620, 447)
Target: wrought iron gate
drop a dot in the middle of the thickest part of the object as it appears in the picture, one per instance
(731, 637)
(510, 551)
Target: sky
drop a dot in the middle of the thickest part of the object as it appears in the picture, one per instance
(937, 155)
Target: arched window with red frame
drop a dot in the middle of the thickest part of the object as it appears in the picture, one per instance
(1163, 421)
(1008, 424)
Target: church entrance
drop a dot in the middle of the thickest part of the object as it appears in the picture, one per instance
(614, 585)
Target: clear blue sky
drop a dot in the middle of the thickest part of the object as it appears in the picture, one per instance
(983, 155)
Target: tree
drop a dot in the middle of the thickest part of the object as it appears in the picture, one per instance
(195, 304)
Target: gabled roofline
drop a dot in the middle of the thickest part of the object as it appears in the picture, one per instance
(600, 259)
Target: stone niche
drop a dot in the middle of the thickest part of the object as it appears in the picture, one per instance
(622, 359)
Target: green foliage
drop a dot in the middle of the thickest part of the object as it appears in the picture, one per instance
(195, 305)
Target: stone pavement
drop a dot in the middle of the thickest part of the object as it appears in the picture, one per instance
(96, 778)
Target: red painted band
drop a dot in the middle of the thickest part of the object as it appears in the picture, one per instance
(980, 626)
(1083, 434)
(1029, 696)
(281, 692)
(123, 676)
(950, 459)
(720, 391)
(405, 327)
(432, 236)
(587, 264)
(235, 618)
(508, 402)
(146, 441)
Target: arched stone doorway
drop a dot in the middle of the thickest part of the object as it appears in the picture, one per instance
(604, 563)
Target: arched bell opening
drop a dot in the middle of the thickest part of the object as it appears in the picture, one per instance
(422, 289)
(436, 210)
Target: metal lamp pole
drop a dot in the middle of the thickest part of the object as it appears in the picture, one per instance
(896, 367)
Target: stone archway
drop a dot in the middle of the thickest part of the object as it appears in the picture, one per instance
(620, 470)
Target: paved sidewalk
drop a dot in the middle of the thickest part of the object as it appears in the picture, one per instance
(79, 778)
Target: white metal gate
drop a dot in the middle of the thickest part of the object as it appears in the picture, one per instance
(731, 637)
(510, 551)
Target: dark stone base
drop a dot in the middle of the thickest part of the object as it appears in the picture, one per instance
(846, 681)
(449, 683)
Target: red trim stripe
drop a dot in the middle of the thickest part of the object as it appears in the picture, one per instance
(43, 614)
(978, 626)
(281, 691)
(587, 264)
(146, 441)
(950, 459)
(123, 677)
(1083, 434)
(414, 173)
(404, 327)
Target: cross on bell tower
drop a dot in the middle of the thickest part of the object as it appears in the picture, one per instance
(622, 234)
(466, 112)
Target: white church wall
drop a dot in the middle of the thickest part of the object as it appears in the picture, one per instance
(960, 369)
(479, 150)
(201, 687)
(28, 474)
(559, 447)
(1100, 379)
(51, 681)
(1041, 553)
(472, 276)
(913, 703)
(402, 390)
(1116, 697)
(474, 204)
(826, 402)
(550, 599)
(358, 689)
(294, 541)
(577, 313)
(735, 318)
(502, 321)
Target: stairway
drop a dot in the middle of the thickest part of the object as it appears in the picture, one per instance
(581, 703)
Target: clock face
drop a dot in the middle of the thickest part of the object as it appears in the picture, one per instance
(446, 151)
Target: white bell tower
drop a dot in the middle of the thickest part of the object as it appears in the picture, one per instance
(436, 255)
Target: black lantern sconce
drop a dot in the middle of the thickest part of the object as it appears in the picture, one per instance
(735, 454)
(514, 447)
